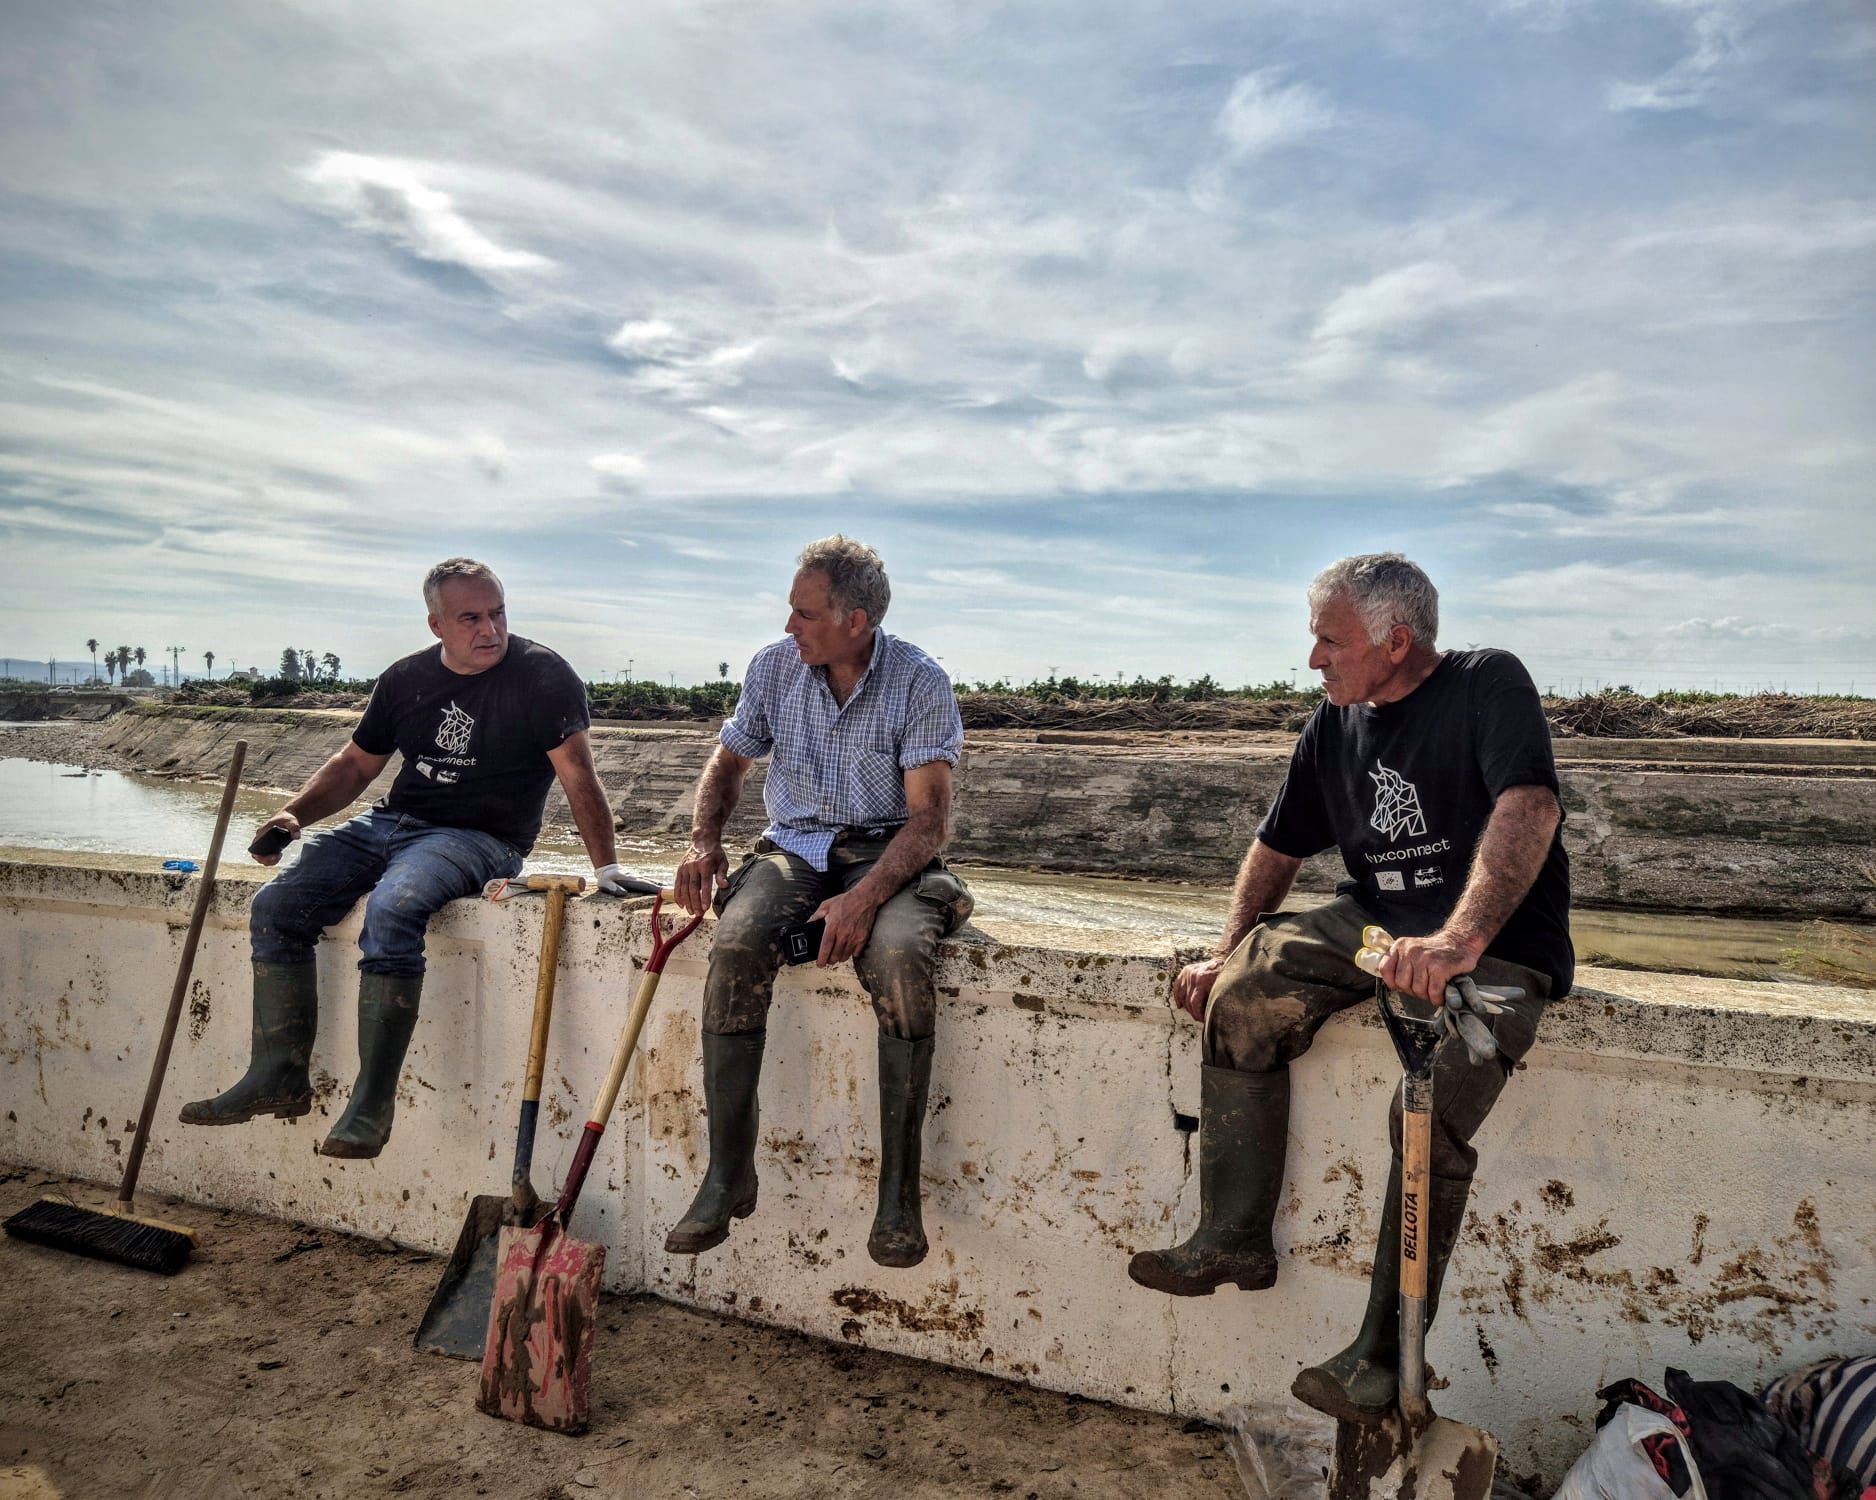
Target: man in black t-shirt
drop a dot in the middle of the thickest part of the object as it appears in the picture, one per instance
(1432, 773)
(485, 722)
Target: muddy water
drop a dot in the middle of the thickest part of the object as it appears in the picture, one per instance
(65, 807)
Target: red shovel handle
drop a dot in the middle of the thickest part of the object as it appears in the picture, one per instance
(661, 947)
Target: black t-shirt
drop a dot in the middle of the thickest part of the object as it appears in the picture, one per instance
(475, 745)
(1404, 790)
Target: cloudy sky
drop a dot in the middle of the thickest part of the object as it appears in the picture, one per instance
(1108, 324)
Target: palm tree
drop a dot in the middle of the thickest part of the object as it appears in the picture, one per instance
(140, 655)
(92, 647)
(110, 668)
(208, 658)
(723, 670)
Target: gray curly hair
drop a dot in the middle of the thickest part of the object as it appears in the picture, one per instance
(1386, 590)
(856, 578)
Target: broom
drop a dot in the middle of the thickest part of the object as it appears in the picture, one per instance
(118, 1233)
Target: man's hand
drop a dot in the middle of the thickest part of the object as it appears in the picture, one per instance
(1193, 988)
(703, 870)
(282, 819)
(1424, 966)
(849, 919)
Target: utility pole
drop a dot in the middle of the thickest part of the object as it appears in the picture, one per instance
(175, 656)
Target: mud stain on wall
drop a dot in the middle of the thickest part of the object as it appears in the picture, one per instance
(941, 1312)
(1763, 1294)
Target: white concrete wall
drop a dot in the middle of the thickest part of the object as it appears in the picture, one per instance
(1682, 1175)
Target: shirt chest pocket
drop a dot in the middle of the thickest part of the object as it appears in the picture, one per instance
(874, 784)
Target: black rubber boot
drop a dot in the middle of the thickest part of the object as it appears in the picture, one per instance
(387, 1014)
(286, 1014)
(1244, 1130)
(898, 1237)
(732, 1066)
(1361, 1383)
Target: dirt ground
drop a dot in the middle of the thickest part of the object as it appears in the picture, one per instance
(278, 1363)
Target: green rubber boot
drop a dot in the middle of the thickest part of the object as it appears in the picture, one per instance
(732, 1066)
(1361, 1383)
(286, 1014)
(387, 1014)
(1244, 1130)
(898, 1237)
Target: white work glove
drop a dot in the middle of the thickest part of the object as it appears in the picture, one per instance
(613, 881)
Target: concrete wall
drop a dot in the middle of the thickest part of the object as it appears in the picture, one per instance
(1790, 832)
(1680, 1175)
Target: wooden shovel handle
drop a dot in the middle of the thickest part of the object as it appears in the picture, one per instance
(1416, 1240)
(205, 892)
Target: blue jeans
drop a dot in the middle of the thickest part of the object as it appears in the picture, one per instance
(410, 868)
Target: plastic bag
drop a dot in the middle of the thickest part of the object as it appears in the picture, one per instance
(1280, 1454)
(1614, 1467)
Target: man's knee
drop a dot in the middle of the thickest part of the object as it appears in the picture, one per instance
(897, 973)
(1255, 1022)
(278, 931)
(744, 957)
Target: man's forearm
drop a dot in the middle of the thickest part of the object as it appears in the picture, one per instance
(1506, 864)
(719, 789)
(1264, 879)
(592, 815)
(334, 785)
(912, 848)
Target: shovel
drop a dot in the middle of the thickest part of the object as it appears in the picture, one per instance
(537, 1359)
(457, 1319)
(1411, 1454)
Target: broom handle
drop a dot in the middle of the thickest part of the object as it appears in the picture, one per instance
(204, 894)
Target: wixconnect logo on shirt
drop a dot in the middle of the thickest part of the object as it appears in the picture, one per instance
(454, 729)
(1396, 805)
(1396, 812)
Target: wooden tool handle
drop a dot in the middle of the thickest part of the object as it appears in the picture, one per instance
(553, 924)
(1416, 1241)
(204, 894)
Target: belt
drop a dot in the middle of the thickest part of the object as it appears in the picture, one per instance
(868, 831)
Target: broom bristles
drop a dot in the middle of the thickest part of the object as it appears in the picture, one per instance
(145, 1244)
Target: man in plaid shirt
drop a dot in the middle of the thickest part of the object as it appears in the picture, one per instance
(863, 730)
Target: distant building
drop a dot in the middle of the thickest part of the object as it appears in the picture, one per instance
(243, 674)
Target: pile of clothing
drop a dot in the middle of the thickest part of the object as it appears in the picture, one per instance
(1811, 1436)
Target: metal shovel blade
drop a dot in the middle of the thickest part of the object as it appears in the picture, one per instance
(537, 1367)
(456, 1323)
(1446, 1460)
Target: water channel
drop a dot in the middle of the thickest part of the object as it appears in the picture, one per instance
(66, 807)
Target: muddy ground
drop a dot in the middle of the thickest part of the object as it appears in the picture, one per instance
(278, 1363)
(67, 742)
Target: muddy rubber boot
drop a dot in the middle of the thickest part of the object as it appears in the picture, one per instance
(732, 1066)
(1360, 1383)
(1244, 1130)
(286, 1014)
(387, 1014)
(898, 1237)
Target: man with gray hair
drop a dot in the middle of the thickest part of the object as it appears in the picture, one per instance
(485, 722)
(1432, 773)
(863, 730)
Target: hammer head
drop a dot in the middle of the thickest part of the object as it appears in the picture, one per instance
(533, 885)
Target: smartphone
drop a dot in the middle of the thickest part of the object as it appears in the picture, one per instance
(271, 841)
(801, 943)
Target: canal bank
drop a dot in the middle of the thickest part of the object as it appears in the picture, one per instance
(1775, 827)
(1679, 1175)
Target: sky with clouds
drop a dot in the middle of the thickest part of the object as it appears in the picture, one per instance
(1108, 324)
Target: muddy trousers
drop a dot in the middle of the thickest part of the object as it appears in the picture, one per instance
(1291, 974)
(773, 889)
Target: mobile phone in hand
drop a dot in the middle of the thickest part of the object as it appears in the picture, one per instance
(271, 841)
(801, 943)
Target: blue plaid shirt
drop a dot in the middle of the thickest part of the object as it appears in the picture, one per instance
(841, 765)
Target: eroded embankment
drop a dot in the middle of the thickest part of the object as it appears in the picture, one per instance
(1770, 826)
(24, 706)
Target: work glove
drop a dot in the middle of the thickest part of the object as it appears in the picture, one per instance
(613, 881)
(1468, 1009)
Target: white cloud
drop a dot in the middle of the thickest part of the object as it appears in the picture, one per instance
(385, 196)
(1717, 33)
(1264, 113)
